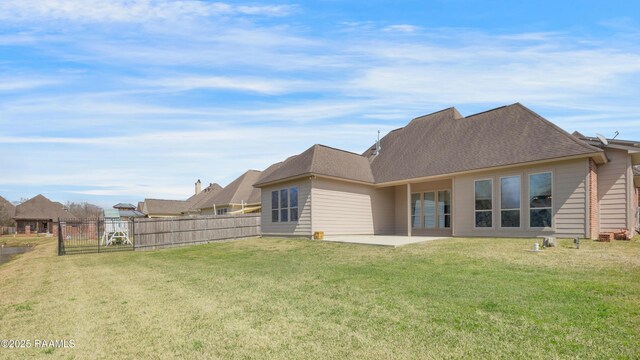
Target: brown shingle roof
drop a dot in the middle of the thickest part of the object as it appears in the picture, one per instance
(41, 208)
(165, 207)
(8, 207)
(196, 201)
(239, 191)
(323, 160)
(442, 143)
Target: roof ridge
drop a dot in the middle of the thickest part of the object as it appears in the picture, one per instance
(433, 113)
(333, 148)
(490, 110)
(558, 129)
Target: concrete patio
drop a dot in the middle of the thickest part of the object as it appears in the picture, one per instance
(382, 240)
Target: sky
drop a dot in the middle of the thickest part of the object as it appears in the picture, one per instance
(121, 100)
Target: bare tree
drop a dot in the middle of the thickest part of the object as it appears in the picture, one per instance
(5, 217)
(84, 210)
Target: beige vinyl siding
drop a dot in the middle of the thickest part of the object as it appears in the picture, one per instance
(631, 211)
(302, 227)
(612, 191)
(570, 200)
(401, 210)
(345, 208)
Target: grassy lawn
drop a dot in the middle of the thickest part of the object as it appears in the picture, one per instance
(277, 298)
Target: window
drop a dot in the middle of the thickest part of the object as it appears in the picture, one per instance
(429, 204)
(275, 205)
(484, 203)
(444, 209)
(510, 202)
(293, 203)
(284, 205)
(221, 211)
(540, 200)
(416, 210)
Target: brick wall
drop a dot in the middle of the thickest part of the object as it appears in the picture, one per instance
(594, 216)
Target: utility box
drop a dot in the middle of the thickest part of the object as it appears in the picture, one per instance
(318, 235)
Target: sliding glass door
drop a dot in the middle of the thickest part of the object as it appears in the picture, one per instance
(431, 210)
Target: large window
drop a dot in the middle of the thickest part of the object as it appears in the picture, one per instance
(510, 202)
(284, 205)
(444, 209)
(293, 203)
(275, 206)
(416, 210)
(483, 203)
(540, 200)
(431, 210)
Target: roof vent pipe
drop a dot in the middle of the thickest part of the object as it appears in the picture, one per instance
(378, 147)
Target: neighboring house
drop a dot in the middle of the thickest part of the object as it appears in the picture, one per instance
(7, 212)
(238, 197)
(158, 208)
(506, 172)
(201, 197)
(41, 215)
(127, 211)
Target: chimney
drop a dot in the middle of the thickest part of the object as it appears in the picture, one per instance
(198, 187)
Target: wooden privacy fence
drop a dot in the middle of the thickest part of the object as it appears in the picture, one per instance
(170, 232)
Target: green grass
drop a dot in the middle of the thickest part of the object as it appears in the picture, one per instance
(277, 298)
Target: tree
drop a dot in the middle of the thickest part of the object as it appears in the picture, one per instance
(5, 217)
(84, 210)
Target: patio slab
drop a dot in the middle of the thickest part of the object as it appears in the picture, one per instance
(382, 240)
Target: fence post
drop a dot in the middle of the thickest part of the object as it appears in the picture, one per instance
(235, 226)
(59, 237)
(133, 232)
(98, 233)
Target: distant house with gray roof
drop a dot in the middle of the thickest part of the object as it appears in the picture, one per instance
(506, 172)
(41, 215)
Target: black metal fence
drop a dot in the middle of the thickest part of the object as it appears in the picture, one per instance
(94, 236)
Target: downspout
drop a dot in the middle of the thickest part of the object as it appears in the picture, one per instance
(409, 209)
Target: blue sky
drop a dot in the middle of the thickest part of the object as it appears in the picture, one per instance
(126, 99)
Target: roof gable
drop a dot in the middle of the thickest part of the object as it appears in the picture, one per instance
(239, 191)
(41, 208)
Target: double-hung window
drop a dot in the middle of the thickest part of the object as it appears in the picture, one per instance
(510, 201)
(483, 203)
(541, 200)
(275, 206)
(284, 205)
(293, 203)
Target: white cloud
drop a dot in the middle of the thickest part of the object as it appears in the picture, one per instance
(136, 11)
(401, 28)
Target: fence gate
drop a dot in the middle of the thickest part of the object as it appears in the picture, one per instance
(94, 236)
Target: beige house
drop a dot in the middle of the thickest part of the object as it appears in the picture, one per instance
(238, 197)
(161, 208)
(506, 172)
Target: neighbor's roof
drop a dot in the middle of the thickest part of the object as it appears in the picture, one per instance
(199, 199)
(442, 143)
(322, 160)
(239, 191)
(130, 213)
(8, 206)
(41, 208)
(124, 206)
(165, 207)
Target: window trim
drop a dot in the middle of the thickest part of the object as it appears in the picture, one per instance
(529, 208)
(421, 213)
(493, 223)
(288, 207)
(297, 207)
(519, 176)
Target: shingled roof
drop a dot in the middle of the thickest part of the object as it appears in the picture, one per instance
(8, 207)
(239, 191)
(323, 160)
(201, 198)
(41, 208)
(165, 207)
(442, 143)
